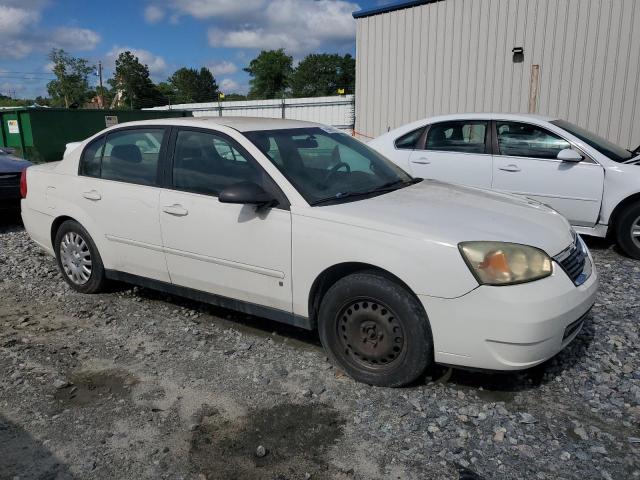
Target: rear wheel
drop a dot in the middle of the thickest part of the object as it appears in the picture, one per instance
(628, 231)
(375, 330)
(78, 258)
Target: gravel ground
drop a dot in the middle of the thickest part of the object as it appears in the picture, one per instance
(137, 384)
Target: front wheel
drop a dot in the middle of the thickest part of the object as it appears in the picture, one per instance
(78, 258)
(628, 231)
(375, 330)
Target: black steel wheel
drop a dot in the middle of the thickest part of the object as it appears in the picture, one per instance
(370, 333)
(375, 329)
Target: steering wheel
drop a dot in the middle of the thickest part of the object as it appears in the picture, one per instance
(334, 170)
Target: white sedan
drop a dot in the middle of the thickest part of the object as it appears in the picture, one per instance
(591, 181)
(300, 223)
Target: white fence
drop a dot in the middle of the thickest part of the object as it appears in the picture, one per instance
(335, 111)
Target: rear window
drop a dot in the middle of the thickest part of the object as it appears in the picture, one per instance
(460, 136)
(129, 156)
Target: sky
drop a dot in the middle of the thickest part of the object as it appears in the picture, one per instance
(222, 35)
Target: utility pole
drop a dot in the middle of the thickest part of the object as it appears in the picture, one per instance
(101, 89)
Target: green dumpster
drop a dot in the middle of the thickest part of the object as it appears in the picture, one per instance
(40, 134)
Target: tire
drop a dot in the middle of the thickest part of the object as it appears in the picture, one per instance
(628, 231)
(375, 330)
(78, 259)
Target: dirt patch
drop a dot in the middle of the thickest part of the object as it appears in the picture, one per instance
(96, 387)
(295, 437)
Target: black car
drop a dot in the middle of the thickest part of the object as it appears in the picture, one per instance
(10, 171)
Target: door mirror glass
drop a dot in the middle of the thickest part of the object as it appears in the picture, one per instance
(569, 155)
(247, 193)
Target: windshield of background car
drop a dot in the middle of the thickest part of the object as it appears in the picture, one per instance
(325, 164)
(605, 147)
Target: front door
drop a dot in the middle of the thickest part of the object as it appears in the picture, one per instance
(527, 164)
(230, 250)
(455, 152)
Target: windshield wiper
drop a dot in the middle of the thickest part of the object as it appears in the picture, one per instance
(386, 187)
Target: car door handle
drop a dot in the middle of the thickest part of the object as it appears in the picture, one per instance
(510, 168)
(421, 161)
(176, 210)
(92, 195)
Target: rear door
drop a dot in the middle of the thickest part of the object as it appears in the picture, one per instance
(455, 152)
(119, 189)
(526, 164)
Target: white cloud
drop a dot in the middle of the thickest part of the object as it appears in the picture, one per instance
(21, 32)
(75, 38)
(223, 68)
(157, 65)
(298, 26)
(202, 9)
(228, 85)
(14, 20)
(153, 14)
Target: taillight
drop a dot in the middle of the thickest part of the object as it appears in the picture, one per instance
(23, 184)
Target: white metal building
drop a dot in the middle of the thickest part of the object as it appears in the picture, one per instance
(574, 59)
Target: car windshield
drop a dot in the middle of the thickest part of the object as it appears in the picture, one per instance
(328, 166)
(605, 147)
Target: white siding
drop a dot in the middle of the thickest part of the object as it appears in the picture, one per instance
(455, 56)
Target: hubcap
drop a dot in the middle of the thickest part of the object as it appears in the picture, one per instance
(75, 258)
(370, 333)
(635, 232)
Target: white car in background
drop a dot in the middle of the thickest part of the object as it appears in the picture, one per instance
(303, 224)
(591, 181)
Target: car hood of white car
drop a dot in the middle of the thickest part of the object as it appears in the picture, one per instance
(448, 214)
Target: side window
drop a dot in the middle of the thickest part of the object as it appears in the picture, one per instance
(524, 140)
(207, 163)
(92, 158)
(132, 156)
(463, 136)
(409, 140)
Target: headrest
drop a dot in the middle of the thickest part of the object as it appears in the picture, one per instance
(126, 153)
(263, 143)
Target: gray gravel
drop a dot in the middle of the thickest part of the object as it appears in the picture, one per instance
(138, 384)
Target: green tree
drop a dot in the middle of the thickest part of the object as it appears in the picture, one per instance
(270, 72)
(71, 86)
(323, 74)
(6, 101)
(190, 85)
(132, 85)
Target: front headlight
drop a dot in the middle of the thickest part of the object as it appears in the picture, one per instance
(500, 263)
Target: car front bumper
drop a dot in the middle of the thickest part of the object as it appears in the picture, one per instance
(510, 327)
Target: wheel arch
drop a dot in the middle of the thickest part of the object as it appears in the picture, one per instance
(332, 274)
(55, 225)
(619, 208)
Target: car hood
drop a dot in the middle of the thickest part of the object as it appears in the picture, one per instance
(449, 214)
(11, 164)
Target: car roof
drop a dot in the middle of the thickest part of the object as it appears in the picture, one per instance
(492, 115)
(242, 124)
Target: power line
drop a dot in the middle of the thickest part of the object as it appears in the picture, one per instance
(3, 72)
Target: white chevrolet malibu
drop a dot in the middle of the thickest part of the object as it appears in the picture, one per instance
(302, 224)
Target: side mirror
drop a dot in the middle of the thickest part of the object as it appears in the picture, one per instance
(247, 193)
(569, 155)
